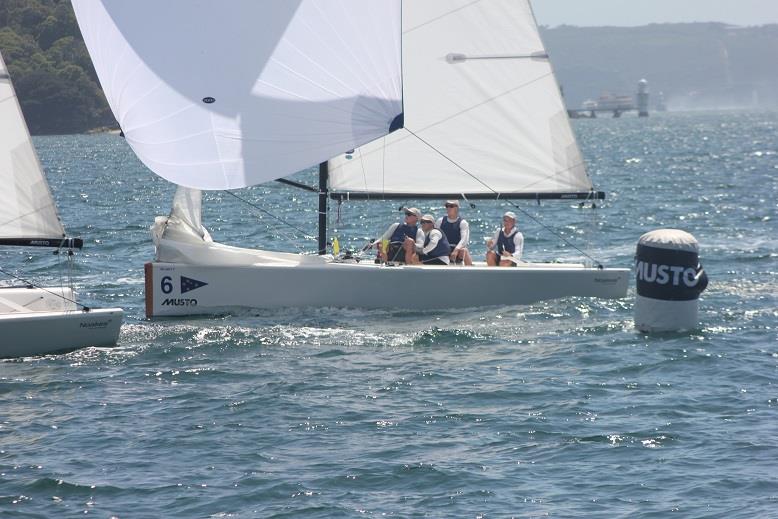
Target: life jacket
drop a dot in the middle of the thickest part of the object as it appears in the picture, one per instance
(404, 231)
(451, 230)
(506, 242)
(442, 249)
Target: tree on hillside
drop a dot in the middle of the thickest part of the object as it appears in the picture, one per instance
(51, 70)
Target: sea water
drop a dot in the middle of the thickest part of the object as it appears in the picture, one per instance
(557, 409)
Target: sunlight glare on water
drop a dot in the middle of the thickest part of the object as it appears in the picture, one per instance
(559, 408)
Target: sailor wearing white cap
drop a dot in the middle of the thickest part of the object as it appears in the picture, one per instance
(435, 249)
(457, 232)
(398, 233)
(506, 246)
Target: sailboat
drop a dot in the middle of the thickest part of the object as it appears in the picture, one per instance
(394, 100)
(38, 320)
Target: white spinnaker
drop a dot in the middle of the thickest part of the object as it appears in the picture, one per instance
(217, 94)
(474, 100)
(27, 209)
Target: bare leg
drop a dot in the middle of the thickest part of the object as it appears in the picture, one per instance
(506, 263)
(467, 258)
(459, 256)
(491, 258)
(410, 254)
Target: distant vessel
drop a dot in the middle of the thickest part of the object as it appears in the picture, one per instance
(38, 320)
(612, 102)
(434, 99)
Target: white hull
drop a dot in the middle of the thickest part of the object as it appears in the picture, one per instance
(35, 321)
(278, 280)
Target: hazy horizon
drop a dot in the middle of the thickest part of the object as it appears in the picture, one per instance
(628, 14)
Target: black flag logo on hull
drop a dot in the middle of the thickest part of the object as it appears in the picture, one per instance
(189, 284)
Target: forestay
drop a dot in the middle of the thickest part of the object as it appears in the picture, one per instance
(221, 95)
(27, 210)
(483, 111)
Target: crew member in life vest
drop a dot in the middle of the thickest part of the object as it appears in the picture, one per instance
(506, 246)
(397, 234)
(457, 232)
(435, 249)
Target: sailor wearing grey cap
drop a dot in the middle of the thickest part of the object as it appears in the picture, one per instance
(457, 232)
(506, 246)
(435, 250)
(403, 237)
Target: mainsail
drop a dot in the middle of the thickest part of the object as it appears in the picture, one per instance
(221, 95)
(28, 215)
(483, 111)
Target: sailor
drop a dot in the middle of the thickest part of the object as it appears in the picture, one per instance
(435, 249)
(506, 246)
(457, 232)
(403, 237)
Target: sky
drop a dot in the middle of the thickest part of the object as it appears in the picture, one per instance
(641, 12)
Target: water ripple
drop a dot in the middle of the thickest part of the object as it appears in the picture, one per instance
(559, 408)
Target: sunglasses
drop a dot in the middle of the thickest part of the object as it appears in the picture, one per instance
(409, 214)
(451, 205)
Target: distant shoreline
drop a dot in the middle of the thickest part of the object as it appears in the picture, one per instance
(113, 130)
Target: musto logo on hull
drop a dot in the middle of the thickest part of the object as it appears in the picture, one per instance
(669, 275)
(170, 301)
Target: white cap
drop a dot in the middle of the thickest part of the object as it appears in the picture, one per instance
(511, 215)
(452, 202)
(428, 218)
(412, 210)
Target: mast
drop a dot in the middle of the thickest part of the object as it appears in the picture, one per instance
(323, 178)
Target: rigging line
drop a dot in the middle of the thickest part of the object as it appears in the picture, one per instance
(555, 233)
(465, 110)
(34, 211)
(511, 202)
(265, 211)
(383, 166)
(440, 16)
(30, 283)
(592, 230)
(485, 101)
(60, 265)
(362, 166)
(71, 265)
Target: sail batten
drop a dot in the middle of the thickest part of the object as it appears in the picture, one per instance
(222, 95)
(483, 112)
(28, 215)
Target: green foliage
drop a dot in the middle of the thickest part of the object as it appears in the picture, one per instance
(50, 67)
(59, 91)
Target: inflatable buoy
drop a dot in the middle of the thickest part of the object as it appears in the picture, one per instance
(669, 281)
